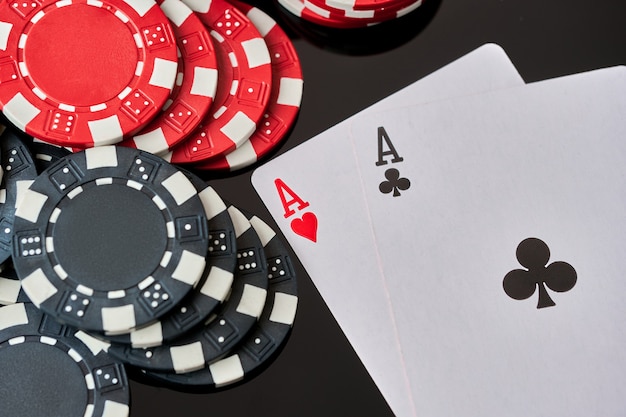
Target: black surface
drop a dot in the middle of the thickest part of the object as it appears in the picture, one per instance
(317, 373)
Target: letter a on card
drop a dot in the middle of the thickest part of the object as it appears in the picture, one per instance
(305, 225)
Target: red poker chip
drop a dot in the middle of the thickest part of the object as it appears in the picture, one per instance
(323, 7)
(195, 86)
(318, 12)
(243, 89)
(320, 17)
(84, 73)
(362, 4)
(369, 17)
(284, 102)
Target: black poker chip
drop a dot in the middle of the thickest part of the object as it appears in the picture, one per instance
(52, 370)
(19, 171)
(267, 336)
(10, 289)
(222, 331)
(109, 239)
(45, 154)
(213, 288)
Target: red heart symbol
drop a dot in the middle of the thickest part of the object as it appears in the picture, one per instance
(306, 226)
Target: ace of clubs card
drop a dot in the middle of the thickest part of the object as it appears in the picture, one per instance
(499, 225)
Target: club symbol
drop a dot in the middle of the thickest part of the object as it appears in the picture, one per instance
(534, 254)
(394, 183)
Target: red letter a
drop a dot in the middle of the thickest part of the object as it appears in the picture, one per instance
(283, 192)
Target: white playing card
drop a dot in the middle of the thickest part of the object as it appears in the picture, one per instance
(321, 177)
(474, 178)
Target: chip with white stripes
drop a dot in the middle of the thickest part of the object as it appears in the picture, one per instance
(225, 329)
(285, 98)
(213, 288)
(195, 86)
(109, 239)
(44, 153)
(51, 370)
(84, 73)
(10, 289)
(267, 337)
(19, 171)
(244, 87)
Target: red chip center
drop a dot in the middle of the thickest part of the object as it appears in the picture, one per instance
(80, 55)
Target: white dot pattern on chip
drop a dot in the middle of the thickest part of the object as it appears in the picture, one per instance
(156, 296)
(274, 269)
(216, 242)
(107, 376)
(248, 265)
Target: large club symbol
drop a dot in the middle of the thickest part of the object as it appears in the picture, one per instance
(534, 254)
(394, 183)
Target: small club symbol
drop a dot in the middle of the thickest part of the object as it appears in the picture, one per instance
(394, 183)
(534, 254)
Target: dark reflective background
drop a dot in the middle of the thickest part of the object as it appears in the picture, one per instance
(317, 373)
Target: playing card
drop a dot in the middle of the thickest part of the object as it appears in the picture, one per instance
(314, 193)
(499, 225)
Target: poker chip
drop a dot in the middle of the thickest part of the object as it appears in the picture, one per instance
(345, 10)
(324, 14)
(45, 154)
(243, 91)
(267, 336)
(222, 331)
(19, 171)
(195, 86)
(109, 239)
(362, 41)
(214, 287)
(112, 67)
(10, 289)
(376, 15)
(51, 370)
(361, 4)
(284, 102)
(298, 8)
